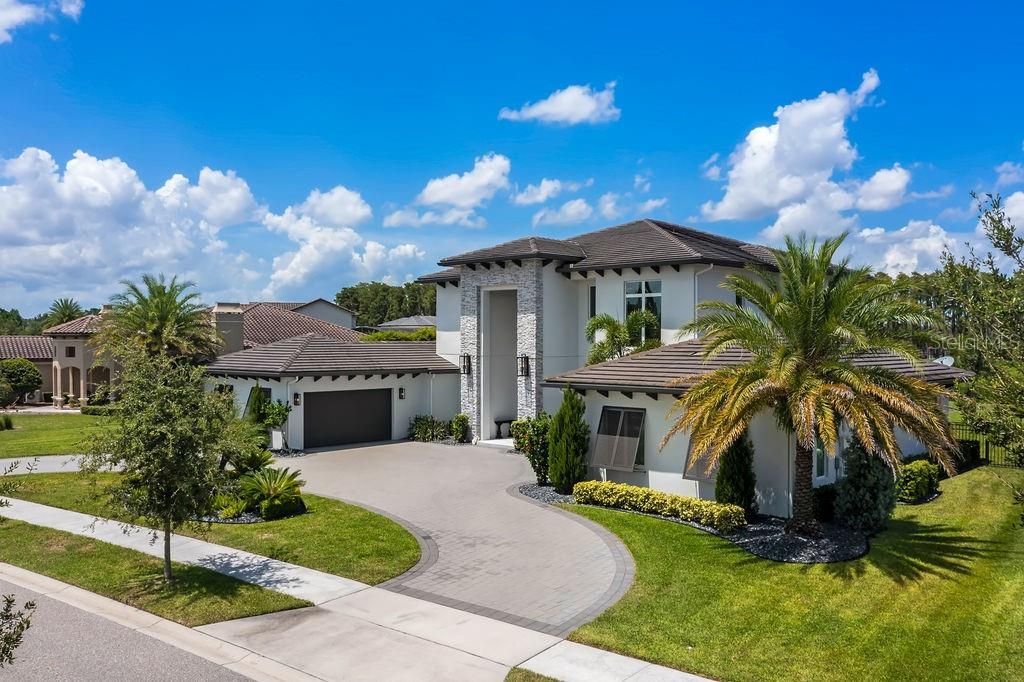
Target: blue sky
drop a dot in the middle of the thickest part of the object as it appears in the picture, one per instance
(323, 125)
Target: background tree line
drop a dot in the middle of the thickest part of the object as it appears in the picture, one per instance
(377, 302)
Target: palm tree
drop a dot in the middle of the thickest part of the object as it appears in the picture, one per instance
(813, 318)
(164, 316)
(620, 338)
(62, 310)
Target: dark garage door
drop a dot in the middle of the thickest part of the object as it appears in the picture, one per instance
(343, 417)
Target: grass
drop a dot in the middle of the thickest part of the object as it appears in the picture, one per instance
(46, 434)
(197, 596)
(939, 596)
(524, 675)
(332, 536)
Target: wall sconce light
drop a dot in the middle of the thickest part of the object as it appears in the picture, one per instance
(464, 363)
(523, 365)
(401, 392)
(297, 399)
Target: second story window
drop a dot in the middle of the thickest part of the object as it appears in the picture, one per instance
(69, 351)
(592, 311)
(645, 295)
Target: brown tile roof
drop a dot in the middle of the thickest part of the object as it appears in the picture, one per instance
(656, 370)
(295, 305)
(446, 275)
(315, 355)
(28, 347)
(638, 243)
(268, 323)
(82, 326)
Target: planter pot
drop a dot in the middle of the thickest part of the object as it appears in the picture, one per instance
(276, 439)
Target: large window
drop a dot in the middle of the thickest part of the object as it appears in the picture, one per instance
(645, 295)
(620, 439)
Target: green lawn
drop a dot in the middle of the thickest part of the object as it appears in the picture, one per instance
(46, 434)
(332, 536)
(940, 596)
(196, 597)
(524, 675)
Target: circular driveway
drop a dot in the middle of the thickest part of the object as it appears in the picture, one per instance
(486, 549)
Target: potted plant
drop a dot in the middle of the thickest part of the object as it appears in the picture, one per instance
(275, 417)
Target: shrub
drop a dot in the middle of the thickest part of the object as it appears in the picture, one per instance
(229, 506)
(101, 395)
(7, 394)
(568, 443)
(276, 486)
(7, 422)
(970, 453)
(825, 502)
(460, 428)
(250, 461)
(425, 429)
(101, 410)
(736, 482)
(422, 334)
(21, 374)
(533, 443)
(724, 518)
(271, 510)
(866, 496)
(917, 481)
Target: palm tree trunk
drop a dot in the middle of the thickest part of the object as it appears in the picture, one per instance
(167, 551)
(803, 521)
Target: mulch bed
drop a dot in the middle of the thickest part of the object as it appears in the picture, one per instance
(765, 537)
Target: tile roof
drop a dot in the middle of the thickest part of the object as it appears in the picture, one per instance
(295, 305)
(637, 243)
(411, 321)
(656, 370)
(28, 347)
(268, 322)
(315, 355)
(82, 326)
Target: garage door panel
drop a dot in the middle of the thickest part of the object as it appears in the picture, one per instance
(345, 417)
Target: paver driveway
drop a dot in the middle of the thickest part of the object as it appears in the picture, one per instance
(486, 551)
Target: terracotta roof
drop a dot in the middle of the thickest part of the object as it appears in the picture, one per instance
(656, 370)
(82, 326)
(315, 355)
(28, 347)
(637, 243)
(268, 322)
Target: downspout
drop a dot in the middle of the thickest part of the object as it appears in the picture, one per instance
(696, 275)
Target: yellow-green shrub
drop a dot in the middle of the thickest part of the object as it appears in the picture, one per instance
(724, 518)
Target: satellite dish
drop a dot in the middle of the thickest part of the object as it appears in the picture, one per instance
(946, 360)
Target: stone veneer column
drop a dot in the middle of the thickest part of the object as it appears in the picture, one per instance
(528, 281)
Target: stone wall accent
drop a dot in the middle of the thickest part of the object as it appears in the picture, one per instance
(528, 282)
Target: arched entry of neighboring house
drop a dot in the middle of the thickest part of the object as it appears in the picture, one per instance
(96, 377)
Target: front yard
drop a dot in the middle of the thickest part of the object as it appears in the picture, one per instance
(939, 596)
(332, 536)
(46, 434)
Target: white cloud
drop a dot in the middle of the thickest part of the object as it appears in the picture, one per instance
(940, 193)
(569, 106)
(884, 190)
(410, 217)
(915, 247)
(711, 169)
(1013, 205)
(72, 8)
(571, 212)
(819, 214)
(547, 189)
(376, 258)
(338, 206)
(652, 204)
(642, 182)
(16, 13)
(608, 205)
(456, 197)
(1009, 174)
(788, 161)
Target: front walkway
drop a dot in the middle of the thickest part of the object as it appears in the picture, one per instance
(487, 549)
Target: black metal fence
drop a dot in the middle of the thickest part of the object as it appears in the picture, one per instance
(977, 448)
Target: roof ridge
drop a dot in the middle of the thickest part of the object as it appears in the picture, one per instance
(304, 340)
(674, 237)
(705, 233)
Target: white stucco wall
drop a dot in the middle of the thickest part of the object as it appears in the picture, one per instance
(448, 311)
(498, 360)
(418, 397)
(564, 322)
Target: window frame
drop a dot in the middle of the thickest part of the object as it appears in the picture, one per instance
(643, 296)
(592, 302)
(636, 458)
(70, 352)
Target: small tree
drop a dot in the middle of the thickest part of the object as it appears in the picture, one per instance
(275, 416)
(621, 338)
(22, 375)
(736, 482)
(568, 443)
(13, 621)
(165, 439)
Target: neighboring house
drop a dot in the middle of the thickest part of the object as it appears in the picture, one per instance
(343, 392)
(408, 324)
(38, 350)
(74, 369)
(320, 308)
(512, 314)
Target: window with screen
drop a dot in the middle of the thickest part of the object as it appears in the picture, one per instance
(645, 295)
(620, 439)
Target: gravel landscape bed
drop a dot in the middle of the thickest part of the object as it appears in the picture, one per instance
(246, 517)
(765, 537)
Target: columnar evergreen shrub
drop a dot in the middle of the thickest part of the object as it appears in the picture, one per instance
(724, 518)
(568, 443)
(917, 481)
(866, 496)
(530, 437)
(460, 428)
(736, 482)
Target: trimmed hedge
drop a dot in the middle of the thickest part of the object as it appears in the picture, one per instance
(917, 481)
(425, 429)
(460, 427)
(725, 518)
(101, 410)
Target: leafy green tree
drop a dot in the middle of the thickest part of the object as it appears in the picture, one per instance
(989, 293)
(814, 317)
(618, 338)
(62, 310)
(568, 443)
(736, 482)
(424, 334)
(23, 376)
(163, 317)
(377, 302)
(165, 439)
(13, 621)
(7, 394)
